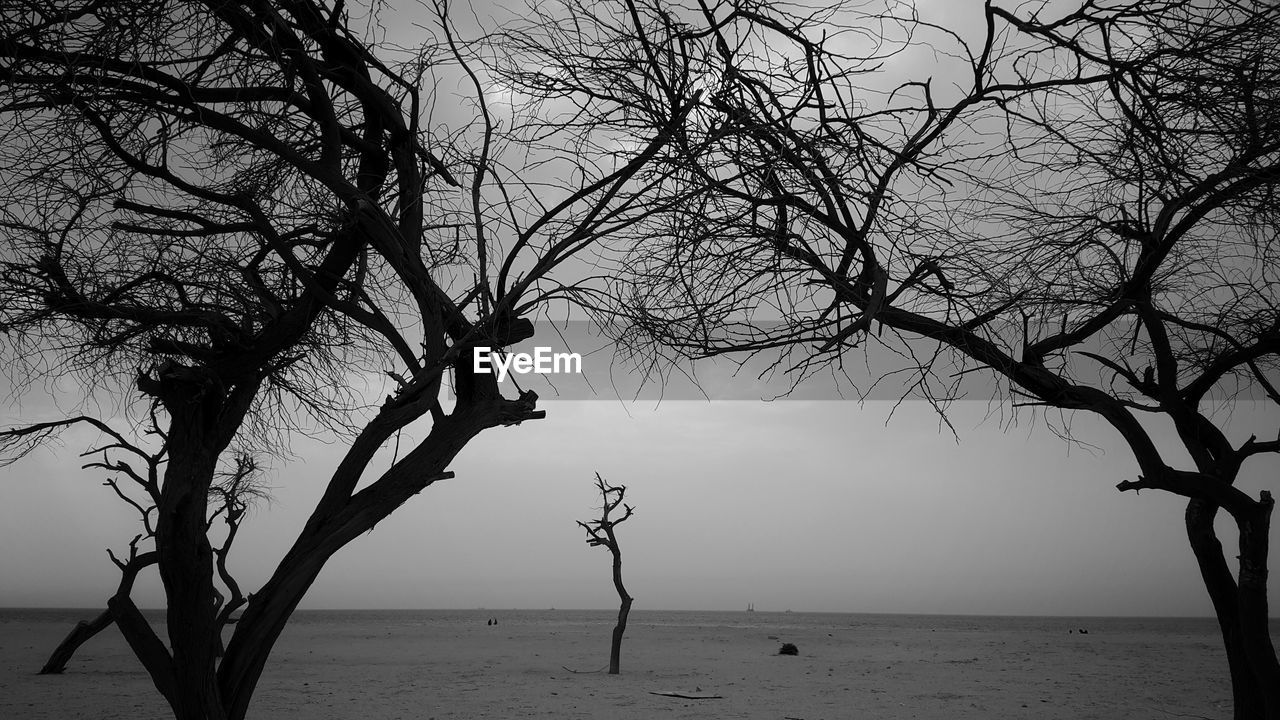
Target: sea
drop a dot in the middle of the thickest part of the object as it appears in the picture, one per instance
(697, 619)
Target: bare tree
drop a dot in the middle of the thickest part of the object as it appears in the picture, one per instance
(234, 491)
(600, 533)
(235, 213)
(1085, 208)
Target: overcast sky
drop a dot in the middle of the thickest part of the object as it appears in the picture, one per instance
(808, 506)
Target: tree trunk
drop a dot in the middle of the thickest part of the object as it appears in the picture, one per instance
(78, 636)
(186, 569)
(1254, 626)
(1246, 695)
(615, 648)
(262, 623)
(327, 531)
(204, 414)
(197, 698)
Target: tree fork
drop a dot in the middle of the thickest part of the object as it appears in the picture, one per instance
(1252, 597)
(1245, 693)
(329, 530)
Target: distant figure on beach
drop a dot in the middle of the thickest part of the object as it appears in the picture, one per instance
(489, 621)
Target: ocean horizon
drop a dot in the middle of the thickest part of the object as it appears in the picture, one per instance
(740, 619)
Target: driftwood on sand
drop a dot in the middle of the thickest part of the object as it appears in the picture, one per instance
(685, 695)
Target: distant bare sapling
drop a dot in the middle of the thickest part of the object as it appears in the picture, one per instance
(600, 533)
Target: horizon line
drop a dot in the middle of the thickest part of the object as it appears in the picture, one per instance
(663, 610)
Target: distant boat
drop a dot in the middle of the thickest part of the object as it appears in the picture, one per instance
(751, 607)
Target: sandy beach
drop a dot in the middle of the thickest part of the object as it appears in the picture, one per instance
(376, 665)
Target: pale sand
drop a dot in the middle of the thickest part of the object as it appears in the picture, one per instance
(452, 665)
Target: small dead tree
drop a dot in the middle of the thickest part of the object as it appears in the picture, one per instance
(600, 533)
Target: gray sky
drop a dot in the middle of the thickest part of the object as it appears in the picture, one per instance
(789, 505)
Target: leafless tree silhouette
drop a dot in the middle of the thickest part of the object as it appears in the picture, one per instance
(234, 491)
(241, 214)
(1083, 206)
(600, 533)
